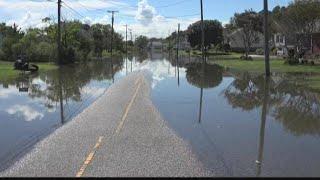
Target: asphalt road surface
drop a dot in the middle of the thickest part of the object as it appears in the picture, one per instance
(120, 135)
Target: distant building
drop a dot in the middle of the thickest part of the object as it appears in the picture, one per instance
(184, 43)
(236, 43)
(155, 44)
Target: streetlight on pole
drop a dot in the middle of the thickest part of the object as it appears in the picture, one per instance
(266, 38)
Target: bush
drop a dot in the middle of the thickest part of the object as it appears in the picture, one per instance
(260, 51)
(2, 55)
(226, 47)
(249, 58)
(44, 52)
(292, 57)
(274, 51)
(105, 53)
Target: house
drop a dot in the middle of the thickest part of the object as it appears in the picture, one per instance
(236, 43)
(184, 43)
(155, 44)
(310, 43)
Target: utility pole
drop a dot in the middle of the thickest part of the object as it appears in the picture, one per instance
(178, 45)
(59, 32)
(178, 34)
(202, 32)
(112, 30)
(266, 38)
(131, 35)
(126, 38)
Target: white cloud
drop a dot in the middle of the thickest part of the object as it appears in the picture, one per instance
(142, 18)
(93, 91)
(6, 92)
(145, 13)
(26, 112)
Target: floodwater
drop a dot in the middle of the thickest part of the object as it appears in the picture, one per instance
(237, 123)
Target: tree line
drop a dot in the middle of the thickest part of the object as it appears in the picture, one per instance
(80, 42)
(298, 20)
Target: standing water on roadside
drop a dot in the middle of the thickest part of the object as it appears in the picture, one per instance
(237, 123)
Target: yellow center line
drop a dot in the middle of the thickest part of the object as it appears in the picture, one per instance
(89, 158)
(97, 145)
(127, 109)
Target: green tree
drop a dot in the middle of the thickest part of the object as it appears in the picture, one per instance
(213, 33)
(249, 24)
(141, 43)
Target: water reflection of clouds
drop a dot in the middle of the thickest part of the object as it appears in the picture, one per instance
(29, 114)
(6, 92)
(160, 70)
(42, 84)
(93, 91)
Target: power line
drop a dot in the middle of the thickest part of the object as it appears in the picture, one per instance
(67, 6)
(172, 4)
(188, 15)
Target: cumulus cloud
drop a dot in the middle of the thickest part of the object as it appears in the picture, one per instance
(26, 112)
(145, 12)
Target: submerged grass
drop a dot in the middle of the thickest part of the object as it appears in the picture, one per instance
(8, 73)
(277, 65)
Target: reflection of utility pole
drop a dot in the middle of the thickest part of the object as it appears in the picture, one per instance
(202, 73)
(131, 64)
(178, 46)
(126, 49)
(202, 32)
(200, 107)
(59, 32)
(263, 124)
(61, 99)
(112, 71)
(266, 38)
(112, 30)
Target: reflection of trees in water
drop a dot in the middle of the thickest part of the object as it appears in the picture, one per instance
(71, 79)
(141, 56)
(204, 75)
(297, 108)
(245, 92)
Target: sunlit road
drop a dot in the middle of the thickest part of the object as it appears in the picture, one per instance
(121, 134)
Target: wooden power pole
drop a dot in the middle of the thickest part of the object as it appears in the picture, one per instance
(126, 38)
(112, 30)
(266, 38)
(59, 32)
(202, 33)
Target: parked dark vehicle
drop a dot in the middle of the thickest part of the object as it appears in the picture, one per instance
(22, 65)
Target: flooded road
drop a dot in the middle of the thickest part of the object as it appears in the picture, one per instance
(238, 124)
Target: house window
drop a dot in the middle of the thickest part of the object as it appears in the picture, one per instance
(281, 39)
(277, 38)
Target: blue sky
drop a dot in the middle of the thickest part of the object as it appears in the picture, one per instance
(153, 18)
